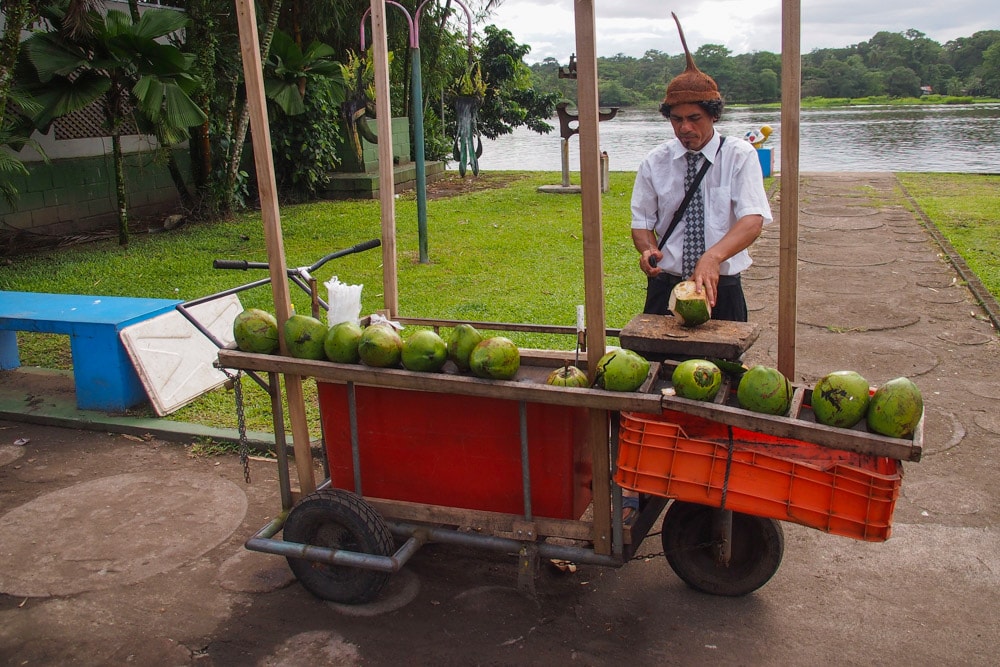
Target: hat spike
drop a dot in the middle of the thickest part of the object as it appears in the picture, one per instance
(687, 52)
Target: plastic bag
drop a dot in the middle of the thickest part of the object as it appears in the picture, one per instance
(344, 301)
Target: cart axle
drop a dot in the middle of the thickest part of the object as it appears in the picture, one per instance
(263, 541)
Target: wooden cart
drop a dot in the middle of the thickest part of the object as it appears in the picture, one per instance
(342, 545)
(506, 465)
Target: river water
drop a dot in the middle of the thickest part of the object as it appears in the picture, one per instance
(937, 138)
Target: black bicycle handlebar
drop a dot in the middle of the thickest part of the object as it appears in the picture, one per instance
(243, 265)
(240, 264)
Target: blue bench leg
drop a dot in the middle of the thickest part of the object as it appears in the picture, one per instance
(103, 373)
(9, 358)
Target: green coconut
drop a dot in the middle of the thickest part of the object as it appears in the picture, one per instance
(621, 370)
(764, 389)
(256, 330)
(380, 346)
(341, 343)
(464, 337)
(567, 375)
(895, 408)
(305, 336)
(697, 379)
(424, 351)
(690, 307)
(495, 358)
(840, 399)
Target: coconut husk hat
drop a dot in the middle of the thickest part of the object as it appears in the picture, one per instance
(692, 85)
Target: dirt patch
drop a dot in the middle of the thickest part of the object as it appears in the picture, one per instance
(452, 184)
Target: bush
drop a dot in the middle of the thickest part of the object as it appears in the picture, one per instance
(304, 145)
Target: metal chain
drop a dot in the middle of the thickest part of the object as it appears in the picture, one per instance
(658, 554)
(729, 466)
(725, 489)
(241, 422)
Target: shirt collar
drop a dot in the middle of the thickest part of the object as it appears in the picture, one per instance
(709, 150)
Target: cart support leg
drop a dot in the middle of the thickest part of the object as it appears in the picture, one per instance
(352, 416)
(528, 569)
(723, 529)
(280, 443)
(525, 464)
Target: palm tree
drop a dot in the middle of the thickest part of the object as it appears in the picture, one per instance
(119, 64)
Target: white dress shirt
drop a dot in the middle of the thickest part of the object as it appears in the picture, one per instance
(732, 188)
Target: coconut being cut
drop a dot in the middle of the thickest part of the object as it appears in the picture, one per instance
(690, 307)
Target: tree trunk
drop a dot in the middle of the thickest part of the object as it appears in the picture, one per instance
(120, 191)
(202, 35)
(16, 15)
(239, 137)
(187, 200)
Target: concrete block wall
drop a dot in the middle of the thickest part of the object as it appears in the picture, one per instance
(77, 195)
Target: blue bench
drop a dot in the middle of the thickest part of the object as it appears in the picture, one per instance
(103, 373)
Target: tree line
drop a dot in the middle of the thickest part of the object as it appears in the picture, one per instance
(895, 65)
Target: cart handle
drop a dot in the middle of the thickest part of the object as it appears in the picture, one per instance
(244, 265)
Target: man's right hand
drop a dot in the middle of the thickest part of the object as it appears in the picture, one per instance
(648, 261)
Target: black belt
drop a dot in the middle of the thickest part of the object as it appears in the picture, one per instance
(724, 281)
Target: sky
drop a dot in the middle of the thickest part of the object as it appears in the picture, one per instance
(632, 27)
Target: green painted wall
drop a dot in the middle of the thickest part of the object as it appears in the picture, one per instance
(77, 195)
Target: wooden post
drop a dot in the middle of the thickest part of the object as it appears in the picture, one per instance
(386, 174)
(593, 268)
(791, 86)
(253, 74)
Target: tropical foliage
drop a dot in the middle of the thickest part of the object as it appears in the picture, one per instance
(119, 63)
(190, 83)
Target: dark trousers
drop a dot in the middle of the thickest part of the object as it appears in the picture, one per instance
(730, 303)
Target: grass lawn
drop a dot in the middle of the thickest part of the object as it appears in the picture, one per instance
(504, 253)
(966, 209)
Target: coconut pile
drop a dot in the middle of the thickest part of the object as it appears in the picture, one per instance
(841, 399)
(380, 345)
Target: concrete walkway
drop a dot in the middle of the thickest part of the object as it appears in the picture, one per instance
(120, 547)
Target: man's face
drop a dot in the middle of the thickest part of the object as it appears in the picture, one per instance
(692, 125)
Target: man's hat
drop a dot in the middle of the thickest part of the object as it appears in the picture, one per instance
(692, 85)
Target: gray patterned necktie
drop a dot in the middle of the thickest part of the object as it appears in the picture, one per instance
(694, 220)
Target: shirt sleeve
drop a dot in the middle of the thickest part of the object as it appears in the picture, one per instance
(645, 208)
(748, 192)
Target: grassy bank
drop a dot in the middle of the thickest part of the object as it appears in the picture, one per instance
(503, 253)
(966, 209)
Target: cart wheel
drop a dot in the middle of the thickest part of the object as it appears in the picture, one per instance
(688, 543)
(338, 519)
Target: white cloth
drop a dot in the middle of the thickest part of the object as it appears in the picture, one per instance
(732, 188)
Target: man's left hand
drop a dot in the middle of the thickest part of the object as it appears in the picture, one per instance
(706, 278)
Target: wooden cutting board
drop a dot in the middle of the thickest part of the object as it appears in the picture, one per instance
(658, 336)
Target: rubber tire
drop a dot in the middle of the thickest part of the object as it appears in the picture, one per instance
(758, 545)
(341, 520)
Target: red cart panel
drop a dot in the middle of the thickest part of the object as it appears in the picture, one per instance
(458, 451)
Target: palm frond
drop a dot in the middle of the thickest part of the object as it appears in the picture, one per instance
(78, 19)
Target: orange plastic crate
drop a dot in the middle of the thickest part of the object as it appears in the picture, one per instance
(680, 456)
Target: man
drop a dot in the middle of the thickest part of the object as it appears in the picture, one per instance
(725, 214)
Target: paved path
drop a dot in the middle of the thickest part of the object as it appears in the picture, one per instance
(118, 549)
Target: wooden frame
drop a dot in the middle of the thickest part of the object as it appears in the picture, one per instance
(590, 174)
